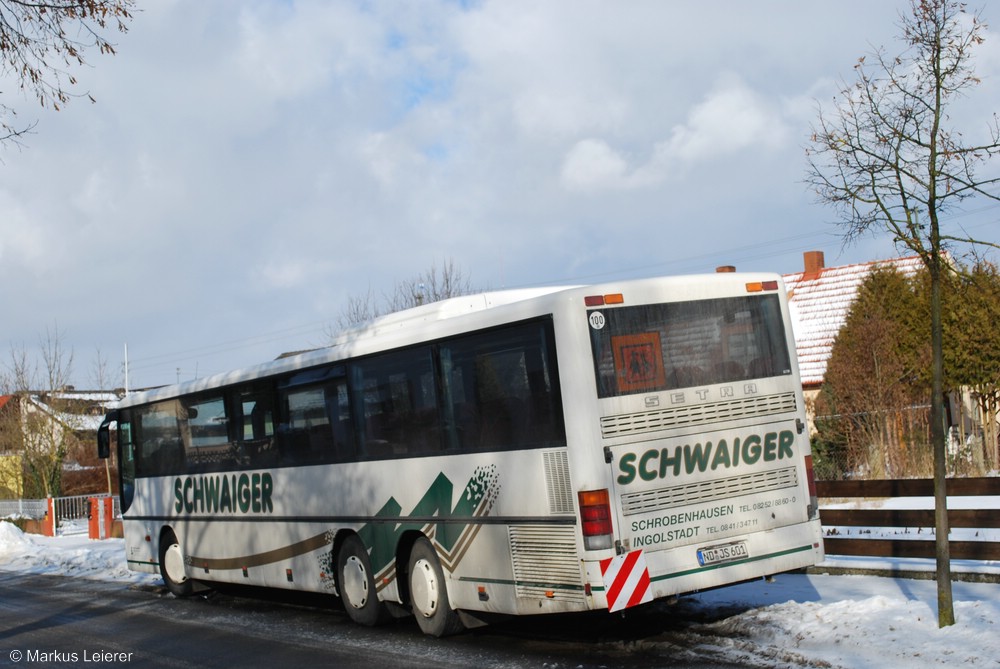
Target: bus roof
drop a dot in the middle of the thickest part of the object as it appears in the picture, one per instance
(444, 309)
(394, 322)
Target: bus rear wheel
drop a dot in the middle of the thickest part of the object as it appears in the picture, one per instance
(172, 567)
(429, 592)
(356, 584)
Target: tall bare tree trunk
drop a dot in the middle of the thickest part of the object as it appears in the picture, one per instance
(946, 609)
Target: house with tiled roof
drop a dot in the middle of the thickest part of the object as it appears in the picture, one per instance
(819, 298)
(48, 418)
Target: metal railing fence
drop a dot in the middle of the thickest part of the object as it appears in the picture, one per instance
(69, 510)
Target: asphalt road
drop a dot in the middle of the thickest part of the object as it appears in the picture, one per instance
(48, 621)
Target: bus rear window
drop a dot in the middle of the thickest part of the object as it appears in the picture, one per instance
(656, 347)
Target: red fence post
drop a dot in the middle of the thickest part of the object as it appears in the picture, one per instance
(49, 523)
(101, 517)
(94, 518)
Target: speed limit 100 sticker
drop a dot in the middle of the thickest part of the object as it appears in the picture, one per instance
(597, 320)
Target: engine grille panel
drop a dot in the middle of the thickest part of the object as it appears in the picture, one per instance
(698, 414)
(708, 491)
(545, 559)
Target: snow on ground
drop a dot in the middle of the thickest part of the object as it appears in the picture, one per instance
(68, 555)
(855, 622)
(820, 620)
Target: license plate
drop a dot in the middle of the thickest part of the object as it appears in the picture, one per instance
(725, 553)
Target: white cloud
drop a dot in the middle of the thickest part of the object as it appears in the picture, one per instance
(731, 119)
(388, 157)
(545, 67)
(287, 51)
(283, 273)
(22, 245)
(591, 163)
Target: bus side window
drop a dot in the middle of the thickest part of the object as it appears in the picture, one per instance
(499, 392)
(158, 447)
(398, 394)
(463, 409)
(502, 391)
(205, 430)
(256, 424)
(338, 408)
(307, 436)
(314, 419)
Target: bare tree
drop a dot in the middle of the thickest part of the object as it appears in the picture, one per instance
(359, 308)
(20, 373)
(41, 41)
(887, 161)
(38, 426)
(57, 362)
(432, 285)
(101, 377)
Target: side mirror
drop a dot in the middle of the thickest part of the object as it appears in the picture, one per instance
(104, 435)
(103, 444)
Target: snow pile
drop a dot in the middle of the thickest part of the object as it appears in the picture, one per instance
(879, 631)
(75, 556)
(822, 621)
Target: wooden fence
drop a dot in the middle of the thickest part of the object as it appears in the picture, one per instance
(908, 518)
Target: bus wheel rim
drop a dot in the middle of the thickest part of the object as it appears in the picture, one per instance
(173, 564)
(424, 588)
(355, 582)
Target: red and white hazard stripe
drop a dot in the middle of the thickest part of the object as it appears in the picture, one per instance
(626, 580)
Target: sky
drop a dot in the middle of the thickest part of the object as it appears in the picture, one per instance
(249, 166)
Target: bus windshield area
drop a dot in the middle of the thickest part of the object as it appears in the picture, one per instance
(656, 347)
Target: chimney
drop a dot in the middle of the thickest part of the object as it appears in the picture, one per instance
(725, 269)
(814, 263)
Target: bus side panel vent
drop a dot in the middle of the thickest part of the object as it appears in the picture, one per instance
(557, 482)
(545, 560)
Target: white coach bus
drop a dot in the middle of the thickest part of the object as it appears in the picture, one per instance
(519, 452)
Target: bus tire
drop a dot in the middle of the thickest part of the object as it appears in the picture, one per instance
(429, 592)
(356, 584)
(172, 566)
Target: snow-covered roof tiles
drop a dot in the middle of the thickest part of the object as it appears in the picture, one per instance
(819, 299)
(79, 410)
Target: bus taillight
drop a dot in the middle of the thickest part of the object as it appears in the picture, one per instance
(811, 478)
(595, 517)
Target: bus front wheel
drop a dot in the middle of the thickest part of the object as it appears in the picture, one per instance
(356, 584)
(172, 567)
(429, 592)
